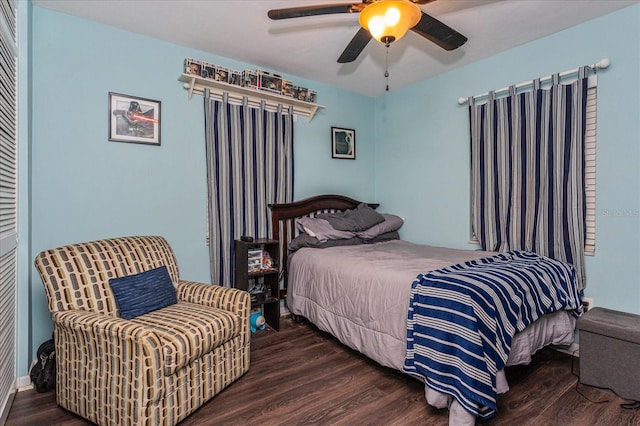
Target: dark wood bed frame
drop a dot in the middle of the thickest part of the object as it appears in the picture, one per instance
(283, 222)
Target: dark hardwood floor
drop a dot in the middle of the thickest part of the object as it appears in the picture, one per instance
(302, 376)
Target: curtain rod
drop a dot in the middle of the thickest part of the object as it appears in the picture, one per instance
(601, 64)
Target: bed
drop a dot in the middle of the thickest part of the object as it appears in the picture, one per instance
(366, 295)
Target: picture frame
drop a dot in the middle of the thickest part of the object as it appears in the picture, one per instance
(134, 119)
(343, 143)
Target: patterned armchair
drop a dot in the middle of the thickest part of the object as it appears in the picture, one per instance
(156, 368)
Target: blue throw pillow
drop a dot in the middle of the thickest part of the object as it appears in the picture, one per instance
(145, 292)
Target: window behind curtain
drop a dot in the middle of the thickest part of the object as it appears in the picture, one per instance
(590, 170)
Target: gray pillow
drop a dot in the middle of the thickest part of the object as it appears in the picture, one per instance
(322, 230)
(387, 236)
(357, 220)
(391, 223)
(305, 240)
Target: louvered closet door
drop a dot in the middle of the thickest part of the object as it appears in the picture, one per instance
(8, 200)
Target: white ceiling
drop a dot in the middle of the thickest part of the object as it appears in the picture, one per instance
(309, 47)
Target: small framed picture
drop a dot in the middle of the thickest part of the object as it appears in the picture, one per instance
(343, 143)
(133, 119)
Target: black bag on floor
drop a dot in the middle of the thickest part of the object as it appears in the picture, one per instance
(43, 372)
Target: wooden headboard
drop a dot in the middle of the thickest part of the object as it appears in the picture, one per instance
(283, 222)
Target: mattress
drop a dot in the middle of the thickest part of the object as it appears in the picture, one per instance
(360, 294)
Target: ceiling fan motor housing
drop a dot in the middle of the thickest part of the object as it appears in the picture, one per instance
(389, 20)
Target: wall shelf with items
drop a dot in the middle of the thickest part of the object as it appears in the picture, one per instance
(197, 84)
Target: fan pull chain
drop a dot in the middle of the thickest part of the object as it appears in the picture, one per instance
(386, 66)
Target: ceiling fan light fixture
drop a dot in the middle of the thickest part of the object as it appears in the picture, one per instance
(389, 20)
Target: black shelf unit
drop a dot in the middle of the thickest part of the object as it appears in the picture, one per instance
(245, 280)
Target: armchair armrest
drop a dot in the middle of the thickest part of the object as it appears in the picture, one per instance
(229, 299)
(108, 347)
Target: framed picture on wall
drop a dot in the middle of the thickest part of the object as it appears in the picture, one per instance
(133, 119)
(343, 143)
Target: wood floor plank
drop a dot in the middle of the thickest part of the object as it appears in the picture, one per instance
(530, 387)
(590, 406)
(302, 376)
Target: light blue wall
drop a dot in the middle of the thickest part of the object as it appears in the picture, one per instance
(84, 187)
(422, 147)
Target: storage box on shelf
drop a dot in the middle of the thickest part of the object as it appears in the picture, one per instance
(257, 265)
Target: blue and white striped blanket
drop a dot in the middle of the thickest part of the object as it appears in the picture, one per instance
(462, 320)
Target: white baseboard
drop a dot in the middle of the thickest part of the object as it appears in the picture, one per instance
(24, 383)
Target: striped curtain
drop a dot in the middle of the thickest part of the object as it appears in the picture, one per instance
(249, 154)
(527, 171)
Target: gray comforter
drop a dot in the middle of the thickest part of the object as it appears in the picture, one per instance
(360, 294)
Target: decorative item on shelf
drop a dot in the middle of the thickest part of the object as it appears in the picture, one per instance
(222, 74)
(258, 291)
(287, 88)
(259, 261)
(208, 70)
(257, 321)
(300, 93)
(267, 262)
(254, 260)
(311, 96)
(235, 77)
(192, 66)
(258, 287)
(250, 79)
(343, 143)
(269, 82)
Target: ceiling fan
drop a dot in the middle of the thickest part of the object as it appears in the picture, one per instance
(384, 20)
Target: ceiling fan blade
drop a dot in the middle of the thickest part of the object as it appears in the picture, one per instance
(324, 9)
(355, 46)
(439, 33)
